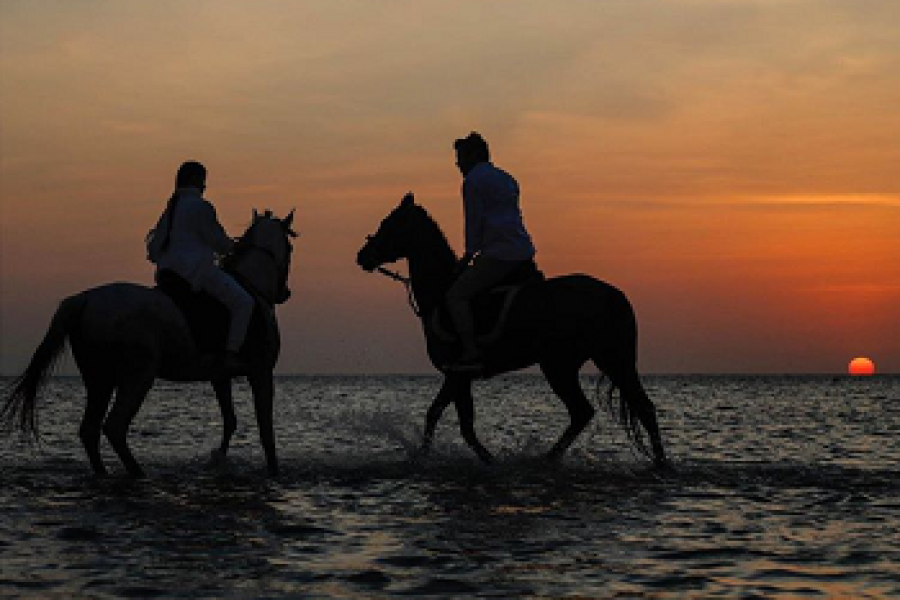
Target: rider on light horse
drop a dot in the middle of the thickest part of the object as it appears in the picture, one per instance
(186, 241)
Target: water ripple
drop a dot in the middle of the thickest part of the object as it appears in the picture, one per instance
(784, 487)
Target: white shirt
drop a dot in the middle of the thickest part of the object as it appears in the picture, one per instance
(494, 225)
(196, 237)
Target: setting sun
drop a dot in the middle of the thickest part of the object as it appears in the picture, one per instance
(861, 366)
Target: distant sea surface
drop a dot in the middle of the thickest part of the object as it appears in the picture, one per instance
(786, 487)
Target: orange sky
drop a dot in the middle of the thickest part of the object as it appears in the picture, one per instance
(733, 166)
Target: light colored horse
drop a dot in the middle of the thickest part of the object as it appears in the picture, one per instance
(124, 336)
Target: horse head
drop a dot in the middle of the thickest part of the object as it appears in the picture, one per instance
(393, 239)
(262, 256)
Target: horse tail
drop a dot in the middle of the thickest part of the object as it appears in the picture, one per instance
(623, 412)
(619, 364)
(19, 410)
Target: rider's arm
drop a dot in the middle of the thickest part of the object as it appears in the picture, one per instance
(213, 233)
(473, 211)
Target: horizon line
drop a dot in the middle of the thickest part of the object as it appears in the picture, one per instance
(536, 374)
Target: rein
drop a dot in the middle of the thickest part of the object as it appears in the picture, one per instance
(406, 283)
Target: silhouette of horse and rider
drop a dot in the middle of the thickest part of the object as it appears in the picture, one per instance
(201, 323)
(211, 317)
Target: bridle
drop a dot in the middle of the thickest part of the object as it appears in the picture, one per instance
(402, 279)
(407, 284)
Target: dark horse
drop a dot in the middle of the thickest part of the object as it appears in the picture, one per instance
(558, 324)
(124, 336)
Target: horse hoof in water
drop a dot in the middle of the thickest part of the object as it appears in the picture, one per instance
(486, 459)
(663, 467)
(217, 459)
(419, 455)
(552, 457)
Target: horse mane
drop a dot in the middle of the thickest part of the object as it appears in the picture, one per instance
(436, 235)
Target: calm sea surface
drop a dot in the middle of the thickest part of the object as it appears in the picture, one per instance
(786, 487)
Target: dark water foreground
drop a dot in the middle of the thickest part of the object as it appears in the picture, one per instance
(786, 487)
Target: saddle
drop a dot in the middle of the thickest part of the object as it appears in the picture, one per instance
(207, 318)
(490, 307)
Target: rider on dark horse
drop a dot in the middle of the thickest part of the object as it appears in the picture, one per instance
(187, 239)
(496, 242)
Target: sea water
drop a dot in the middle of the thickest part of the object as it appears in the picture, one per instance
(784, 487)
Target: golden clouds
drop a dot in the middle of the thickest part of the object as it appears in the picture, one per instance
(656, 142)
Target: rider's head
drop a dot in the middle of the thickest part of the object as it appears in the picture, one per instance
(191, 174)
(470, 151)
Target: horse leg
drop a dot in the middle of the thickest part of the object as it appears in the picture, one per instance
(99, 394)
(222, 388)
(629, 384)
(465, 410)
(441, 402)
(565, 384)
(263, 388)
(129, 397)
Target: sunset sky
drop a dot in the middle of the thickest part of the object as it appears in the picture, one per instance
(732, 165)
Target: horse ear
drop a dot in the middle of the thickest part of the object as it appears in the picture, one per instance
(255, 214)
(287, 222)
(408, 200)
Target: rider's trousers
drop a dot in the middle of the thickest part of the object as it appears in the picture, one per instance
(484, 273)
(223, 287)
